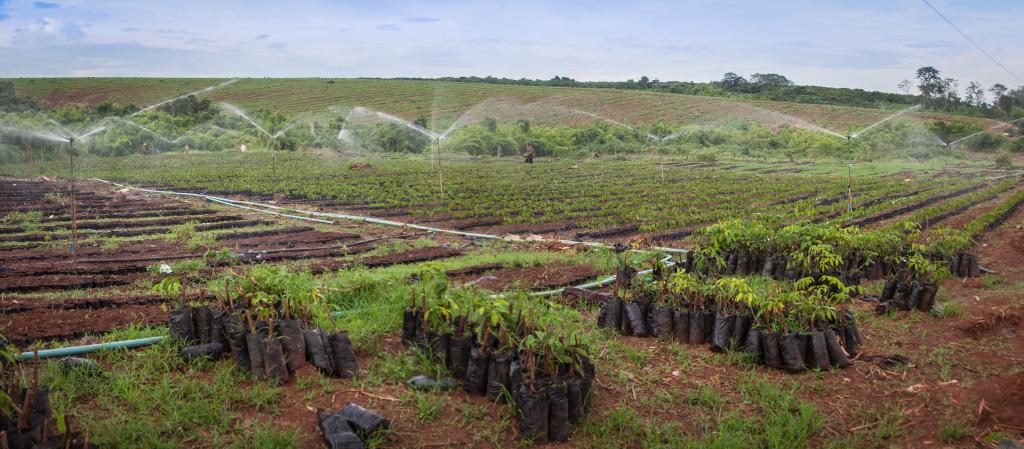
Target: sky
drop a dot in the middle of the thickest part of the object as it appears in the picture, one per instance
(869, 44)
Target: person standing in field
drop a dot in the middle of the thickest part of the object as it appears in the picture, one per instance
(242, 148)
(528, 155)
(186, 150)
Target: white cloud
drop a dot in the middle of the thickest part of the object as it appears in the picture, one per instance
(47, 31)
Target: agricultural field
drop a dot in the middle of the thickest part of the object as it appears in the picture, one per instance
(442, 103)
(299, 239)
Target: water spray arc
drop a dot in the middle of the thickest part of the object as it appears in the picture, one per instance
(200, 91)
(999, 125)
(890, 117)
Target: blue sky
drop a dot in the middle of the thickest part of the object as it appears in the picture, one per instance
(871, 44)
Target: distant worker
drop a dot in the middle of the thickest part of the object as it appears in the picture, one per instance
(145, 148)
(242, 148)
(528, 155)
(186, 150)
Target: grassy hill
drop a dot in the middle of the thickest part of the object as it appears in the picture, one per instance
(441, 103)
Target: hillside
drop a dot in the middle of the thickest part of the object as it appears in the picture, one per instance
(441, 103)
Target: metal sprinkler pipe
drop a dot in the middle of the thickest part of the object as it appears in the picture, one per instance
(74, 205)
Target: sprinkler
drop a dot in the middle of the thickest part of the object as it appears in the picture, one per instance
(849, 138)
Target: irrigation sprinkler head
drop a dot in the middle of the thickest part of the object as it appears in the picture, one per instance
(849, 138)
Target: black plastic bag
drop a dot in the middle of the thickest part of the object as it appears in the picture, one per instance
(254, 344)
(722, 332)
(558, 412)
(836, 353)
(661, 319)
(209, 350)
(637, 321)
(364, 422)
(476, 372)
(202, 319)
(768, 269)
(409, 325)
(928, 297)
(337, 432)
(587, 386)
(532, 405)
(888, 291)
(792, 357)
(771, 345)
(681, 324)
(698, 333)
(275, 367)
(237, 342)
(613, 312)
(973, 267)
(318, 350)
(819, 348)
(294, 344)
(345, 365)
(741, 324)
(914, 297)
(439, 346)
(182, 327)
(752, 344)
(498, 377)
(458, 355)
(574, 397)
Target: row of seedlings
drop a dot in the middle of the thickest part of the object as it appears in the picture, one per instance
(518, 352)
(792, 326)
(912, 270)
(266, 321)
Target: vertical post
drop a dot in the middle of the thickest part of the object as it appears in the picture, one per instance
(74, 206)
(849, 187)
(440, 171)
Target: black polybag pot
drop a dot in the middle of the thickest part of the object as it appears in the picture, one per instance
(202, 319)
(254, 344)
(409, 325)
(476, 372)
(181, 326)
(338, 433)
(318, 350)
(661, 319)
(236, 342)
(973, 267)
(294, 344)
(771, 345)
(819, 348)
(752, 344)
(928, 297)
(836, 353)
(458, 355)
(964, 268)
(345, 365)
(698, 334)
(888, 291)
(914, 297)
(574, 397)
(768, 268)
(851, 342)
(721, 332)
(613, 312)
(792, 357)
(681, 325)
(558, 412)
(439, 346)
(499, 377)
(637, 323)
(209, 350)
(274, 365)
(587, 386)
(741, 323)
(364, 422)
(532, 404)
